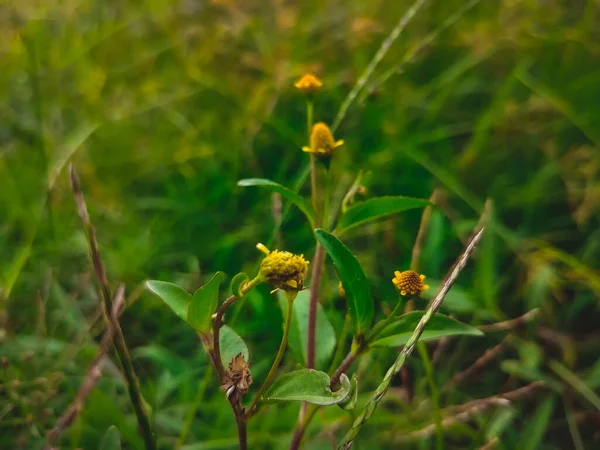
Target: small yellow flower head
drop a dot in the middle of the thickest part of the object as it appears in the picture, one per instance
(409, 282)
(308, 84)
(321, 140)
(237, 378)
(283, 270)
(341, 290)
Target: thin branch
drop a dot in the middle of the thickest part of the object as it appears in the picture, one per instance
(465, 412)
(383, 49)
(119, 342)
(93, 375)
(489, 356)
(510, 324)
(434, 306)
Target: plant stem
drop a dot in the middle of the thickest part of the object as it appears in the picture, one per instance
(435, 305)
(278, 358)
(313, 158)
(315, 282)
(344, 366)
(120, 345)
(242, 431)
(218, 323)
(435, 396)
(301, 427)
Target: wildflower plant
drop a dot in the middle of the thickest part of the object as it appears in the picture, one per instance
(299, 282)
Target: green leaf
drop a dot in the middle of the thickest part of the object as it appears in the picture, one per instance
(298, 339)
(285, 193)
(377, 208)
(231, 345)
(398, 332)
(354, 280)
(538, 426)
(174, 296)
(111, 439)
(204, 303)
(352, 398)
(307, 385)
(236, 284)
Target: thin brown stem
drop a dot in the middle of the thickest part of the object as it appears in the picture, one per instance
(489, 356)
(343, 367)
(511, 324)
(303, 423)
(316, 272)
(129, 375)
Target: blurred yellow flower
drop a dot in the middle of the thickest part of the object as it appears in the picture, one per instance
(409, 282)
(321, 140)
(308, 84)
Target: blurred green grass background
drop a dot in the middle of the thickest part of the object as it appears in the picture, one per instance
(162, 106)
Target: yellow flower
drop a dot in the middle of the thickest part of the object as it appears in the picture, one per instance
(321, 140)
(237, 378)
(409, 282)
(341, 290)
(283, 270)
(308, 84)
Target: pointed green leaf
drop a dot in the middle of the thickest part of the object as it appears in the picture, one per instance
(285, 192)
(111, 439)
(204, 303)
(231, 345)
(298, 339)
(377, 208)
(354, 280)
(174, 296)
(307, 385)
(398, 332)
(236, 284)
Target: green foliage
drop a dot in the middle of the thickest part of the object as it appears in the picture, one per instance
(299, 332)
(204, 304)
(173, 296)
(162, 108)
(111, 439)
(353, 278)
(307, 385)
(398, 331)
(377, 208)
(285, 192)
(232, 345)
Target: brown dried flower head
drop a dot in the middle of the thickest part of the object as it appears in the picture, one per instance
(237, 378)
(308, 84)
(321, 140)
(409, 282)
(283, 270)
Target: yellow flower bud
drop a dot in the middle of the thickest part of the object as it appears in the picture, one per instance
(308, 84)
(409, 282)
(321, 140)
(283, 270)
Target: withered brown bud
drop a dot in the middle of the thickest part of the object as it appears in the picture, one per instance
(237, 379)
